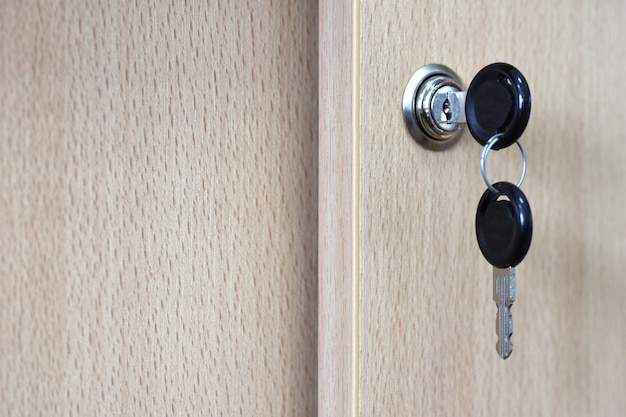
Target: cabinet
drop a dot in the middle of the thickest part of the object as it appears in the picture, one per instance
(213, 208)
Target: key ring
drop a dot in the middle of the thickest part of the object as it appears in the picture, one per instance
(483, 161)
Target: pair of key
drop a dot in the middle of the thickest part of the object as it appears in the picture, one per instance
(497, 108)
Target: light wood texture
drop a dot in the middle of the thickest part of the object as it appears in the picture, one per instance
(338, 202)
(427, 340)
(158, 208)
(426, 317)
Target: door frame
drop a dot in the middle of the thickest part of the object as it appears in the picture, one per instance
(339, 201)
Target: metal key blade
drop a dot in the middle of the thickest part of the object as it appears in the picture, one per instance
(504, 296)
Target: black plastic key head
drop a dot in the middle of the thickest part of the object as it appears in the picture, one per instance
(498, 101)
(504, 225)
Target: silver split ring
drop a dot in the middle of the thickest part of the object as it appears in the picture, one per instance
(483, 162)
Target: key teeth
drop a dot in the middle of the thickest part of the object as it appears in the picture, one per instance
(505, 351)
(504, 296)
(504, 354)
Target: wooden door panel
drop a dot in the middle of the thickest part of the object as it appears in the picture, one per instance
(425, 317)
(158, 202)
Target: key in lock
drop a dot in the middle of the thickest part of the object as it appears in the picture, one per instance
(436, 108)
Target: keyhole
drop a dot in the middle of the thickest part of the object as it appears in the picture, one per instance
(447, 110)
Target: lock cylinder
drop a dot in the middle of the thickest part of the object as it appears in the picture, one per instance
(434, 106)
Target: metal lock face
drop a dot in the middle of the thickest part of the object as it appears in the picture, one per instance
(434, 107)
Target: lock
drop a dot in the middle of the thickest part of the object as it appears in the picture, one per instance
(436, 108)
(433, 107)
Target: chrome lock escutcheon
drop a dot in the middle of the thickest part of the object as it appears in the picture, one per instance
(434, 106)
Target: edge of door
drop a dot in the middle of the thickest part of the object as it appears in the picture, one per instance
(339, 193)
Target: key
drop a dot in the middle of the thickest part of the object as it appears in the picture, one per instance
(504, 232)
(452, 105)
(498, 101)
(435, 107)
(504, 296)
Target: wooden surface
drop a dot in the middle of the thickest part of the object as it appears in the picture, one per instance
(427, 340)
(158, 208)
(338, 205)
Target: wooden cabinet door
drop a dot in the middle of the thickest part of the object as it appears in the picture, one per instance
(158, 208)
(407, 317)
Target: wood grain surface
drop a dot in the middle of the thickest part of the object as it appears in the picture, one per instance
(427, 340)
(338, 208)
(158, 208)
